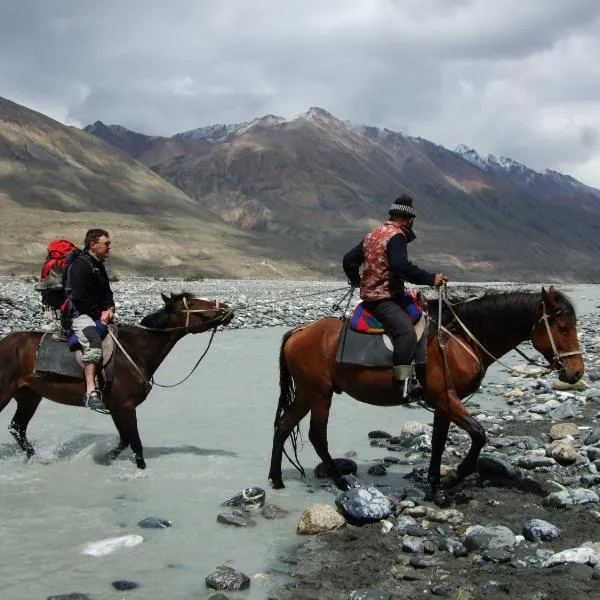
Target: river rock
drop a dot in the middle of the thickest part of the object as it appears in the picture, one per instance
(564, 411)
(538, 530)
(593, 437)
(580, 385)
(378, 470)
(479, 538)
(379, 434)
(226, 578)
(425, 562)
(413, 428)
(110, 545)
(570, 497)
(272, 511)
(411, 543)
(154, 523)
(563, 430)
(562, 451)
(580, 556)
(125, 584)
(346, 466)
(238, 518)
(368, 594)
(319, 517)
(364, 505)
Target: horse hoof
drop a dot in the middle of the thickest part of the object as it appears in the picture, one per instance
(277, 485)
(442, 499)
(103, 459)
(451, 479)
(343, 484)
(140, 462)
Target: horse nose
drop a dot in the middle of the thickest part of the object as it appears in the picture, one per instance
(570, 376)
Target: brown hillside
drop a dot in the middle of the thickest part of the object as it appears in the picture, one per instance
(57, 181)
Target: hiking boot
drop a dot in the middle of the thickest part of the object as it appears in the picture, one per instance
(93, 400)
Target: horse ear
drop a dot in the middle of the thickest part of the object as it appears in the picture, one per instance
(166, 299)
(548, 296)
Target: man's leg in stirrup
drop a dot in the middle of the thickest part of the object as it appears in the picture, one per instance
(91, 345)
(402, 333)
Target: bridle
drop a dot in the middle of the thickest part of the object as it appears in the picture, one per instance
(556, 355)
(191, 311)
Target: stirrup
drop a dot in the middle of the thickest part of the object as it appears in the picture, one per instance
(409, 389)
(93, 400)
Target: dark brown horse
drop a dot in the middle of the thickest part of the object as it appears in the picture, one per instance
(146, 345)
(309, 374)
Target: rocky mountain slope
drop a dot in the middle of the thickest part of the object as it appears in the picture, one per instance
(57, 181)
(322, 182)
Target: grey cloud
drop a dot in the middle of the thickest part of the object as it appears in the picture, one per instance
(501, 77)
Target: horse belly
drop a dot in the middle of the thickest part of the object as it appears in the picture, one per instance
(64, 391)
(368, 385)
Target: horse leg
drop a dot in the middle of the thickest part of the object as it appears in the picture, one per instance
(283, 428)
(457, 413)
(125, 420)
(27, 403)
(123, 443)
(441, 424)
(317, 435)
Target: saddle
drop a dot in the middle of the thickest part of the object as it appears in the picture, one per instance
(55, 357)
(363, 342)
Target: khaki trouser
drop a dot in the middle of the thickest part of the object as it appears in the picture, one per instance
(91, 344)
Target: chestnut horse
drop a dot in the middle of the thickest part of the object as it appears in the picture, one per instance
(146, 345)
(478, 332)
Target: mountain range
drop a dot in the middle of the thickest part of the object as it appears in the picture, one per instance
(289, 197)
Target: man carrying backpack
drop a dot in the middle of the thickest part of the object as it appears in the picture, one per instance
(90, 299)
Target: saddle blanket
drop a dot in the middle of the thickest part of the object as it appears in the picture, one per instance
(364, 322)
(370, 350)
(54, 356)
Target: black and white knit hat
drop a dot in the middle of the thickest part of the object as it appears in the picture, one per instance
(403, 207)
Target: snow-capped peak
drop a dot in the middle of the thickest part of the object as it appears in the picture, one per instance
(316, 112)
(215, 132)
(472, 156)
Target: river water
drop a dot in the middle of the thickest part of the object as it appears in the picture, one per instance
(204, 441)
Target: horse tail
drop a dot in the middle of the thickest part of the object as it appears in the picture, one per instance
(287, 395)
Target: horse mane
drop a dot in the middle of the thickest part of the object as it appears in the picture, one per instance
(518, 310)
(181, 296)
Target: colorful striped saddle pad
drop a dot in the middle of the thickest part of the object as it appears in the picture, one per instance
(362, 321)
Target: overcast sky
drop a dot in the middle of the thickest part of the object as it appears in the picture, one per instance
(518, 78)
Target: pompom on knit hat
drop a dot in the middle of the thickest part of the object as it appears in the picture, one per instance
(402, 207)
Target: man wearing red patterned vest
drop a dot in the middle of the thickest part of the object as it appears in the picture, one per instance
(384, 257)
